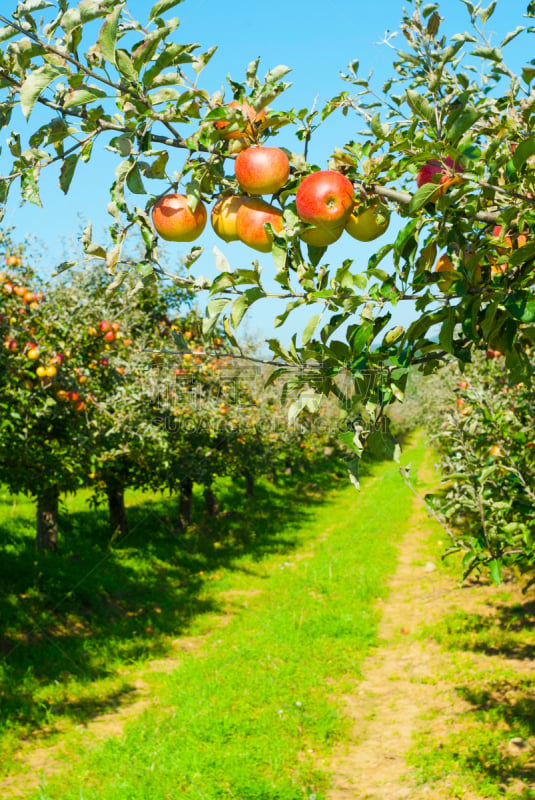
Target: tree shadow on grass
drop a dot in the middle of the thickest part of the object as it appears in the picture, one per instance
(506, 709)
(70, 620)
(503, 700)
(504, 633)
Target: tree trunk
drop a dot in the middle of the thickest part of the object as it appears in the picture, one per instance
(212, 503)
(249, 484)
(116, 506)
(185, 503)
(47, 519)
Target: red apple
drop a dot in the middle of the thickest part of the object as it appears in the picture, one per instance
(325, 199)
(253, 214)
(174, 220)
(443, 173)
(104, 325)
(262, 170)
(109, 336)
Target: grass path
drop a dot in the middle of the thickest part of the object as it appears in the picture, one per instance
(251, 696)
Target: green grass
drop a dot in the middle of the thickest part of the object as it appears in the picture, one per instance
(70, 621)
(246, 715)
(475, 755)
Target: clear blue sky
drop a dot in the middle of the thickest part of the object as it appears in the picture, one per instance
(316, 40)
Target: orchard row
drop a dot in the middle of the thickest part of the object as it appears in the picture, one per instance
(88, 400)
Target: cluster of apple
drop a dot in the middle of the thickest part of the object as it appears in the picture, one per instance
(325, 200)
(109, 330)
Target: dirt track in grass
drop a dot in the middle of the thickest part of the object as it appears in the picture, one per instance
(407, 690)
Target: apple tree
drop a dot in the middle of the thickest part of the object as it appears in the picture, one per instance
(485, 439)
(446, 144)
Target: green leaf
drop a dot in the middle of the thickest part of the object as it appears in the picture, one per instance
(523, 254)
(241, 304)
(486, 13)
(125, 65)
(461, 124)
(421, 106)
(215, 307)
(67, 171)
(512, 35)
(82, 95)
(107, 37)
(377, 128)
(495, 569)
(525, 150)
(491, 53)
(134, 182)
(28, 6)
(221, 261)
(310, 327)
(161, 7)
(445, 336)
(382, 445)
(199, 62)
(521, 308)
(7, 33)
(35, 84)
(167, 94)
(277, 73)
(353, 470)
(422, 197)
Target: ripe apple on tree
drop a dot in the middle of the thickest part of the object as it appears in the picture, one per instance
(445, 265)
(321, 237)
(253, 214)
(325, 199)
(262, 170)
(444, 173)
(368, 224)
(223, 218)
(174, 221)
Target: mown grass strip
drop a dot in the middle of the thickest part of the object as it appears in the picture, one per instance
(488, 751)
(249, 715)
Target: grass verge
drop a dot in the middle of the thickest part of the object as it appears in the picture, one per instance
(488, 749)
(246, 715)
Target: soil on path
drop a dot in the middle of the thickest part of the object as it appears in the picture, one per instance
(404, 691)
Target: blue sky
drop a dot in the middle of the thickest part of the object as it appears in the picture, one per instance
(317, 41)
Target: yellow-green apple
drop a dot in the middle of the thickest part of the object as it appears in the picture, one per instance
(325, 199)
(444, 173)
(321, 237)
(253, 214)
(368, 224)
(262, 170)
(175, 221)
(223, 217)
